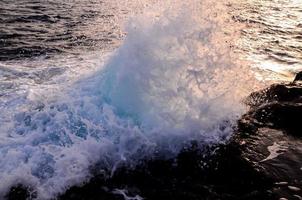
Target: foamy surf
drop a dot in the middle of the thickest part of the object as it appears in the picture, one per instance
(174, 79)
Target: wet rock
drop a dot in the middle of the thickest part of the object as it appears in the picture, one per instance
(20, 192)
(195, 174)
(284, 116)
(298, 76)
(271, 137)
(291, 92)
(278, 106)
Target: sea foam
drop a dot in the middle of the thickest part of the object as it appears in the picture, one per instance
(174, 79)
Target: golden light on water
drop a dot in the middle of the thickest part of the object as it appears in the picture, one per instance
(272, 37)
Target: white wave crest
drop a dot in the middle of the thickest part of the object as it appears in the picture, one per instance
(174, 79)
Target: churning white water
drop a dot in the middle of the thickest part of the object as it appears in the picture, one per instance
(174, 79)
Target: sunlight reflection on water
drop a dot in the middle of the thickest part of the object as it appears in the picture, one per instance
(273, 36)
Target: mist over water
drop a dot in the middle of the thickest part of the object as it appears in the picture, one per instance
(174, 78)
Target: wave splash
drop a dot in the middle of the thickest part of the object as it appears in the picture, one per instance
(174, 79)
(174, 74)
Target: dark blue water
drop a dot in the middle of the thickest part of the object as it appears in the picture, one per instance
(43, 28)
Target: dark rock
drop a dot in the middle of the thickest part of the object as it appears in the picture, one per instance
(196, 174)
(291, 92)
(279, 107)
(298, 76)
(272, 137)
(283, 116)
(20, 192)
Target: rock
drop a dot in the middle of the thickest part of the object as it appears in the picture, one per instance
(298, 76)
(278, 106)
(274, 117)
(20, 192)
(291, 92)
(195, 174)
(284, 116)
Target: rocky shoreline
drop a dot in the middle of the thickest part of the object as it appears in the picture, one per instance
(263, 160)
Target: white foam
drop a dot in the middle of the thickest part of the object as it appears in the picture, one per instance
(124, 192)
(174, 79)
(275, 150)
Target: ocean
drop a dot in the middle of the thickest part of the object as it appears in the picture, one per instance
(98, 84)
